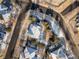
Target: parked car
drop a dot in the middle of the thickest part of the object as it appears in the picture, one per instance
(1, 35)
(77, 22)
(2, 31)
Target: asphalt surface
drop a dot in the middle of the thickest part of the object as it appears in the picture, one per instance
(16, 32)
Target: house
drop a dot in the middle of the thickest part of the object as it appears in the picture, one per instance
(5, 13)
(34, 30)
(5, 10)
(37, 14)
(8, 4)
(29, 51)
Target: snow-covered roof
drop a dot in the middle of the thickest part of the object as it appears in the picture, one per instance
(53, 56)
(3, 9)
(59, 53)
(37, 14)
(34, 31)
(5, 12)
(6, 17)
(29, 52)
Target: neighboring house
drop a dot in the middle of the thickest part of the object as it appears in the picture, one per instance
(57, 50)
(5, 10)
(59, 54)
(37, 14)
(8, 4)
(29, 51)
(53, 25)
(34, 30)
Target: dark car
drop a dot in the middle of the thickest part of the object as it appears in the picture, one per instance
(2, 28)
(77, 20)
(1, 35)
(2, 31)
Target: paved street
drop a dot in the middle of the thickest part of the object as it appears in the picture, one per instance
(24, 26)
(16, 33)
